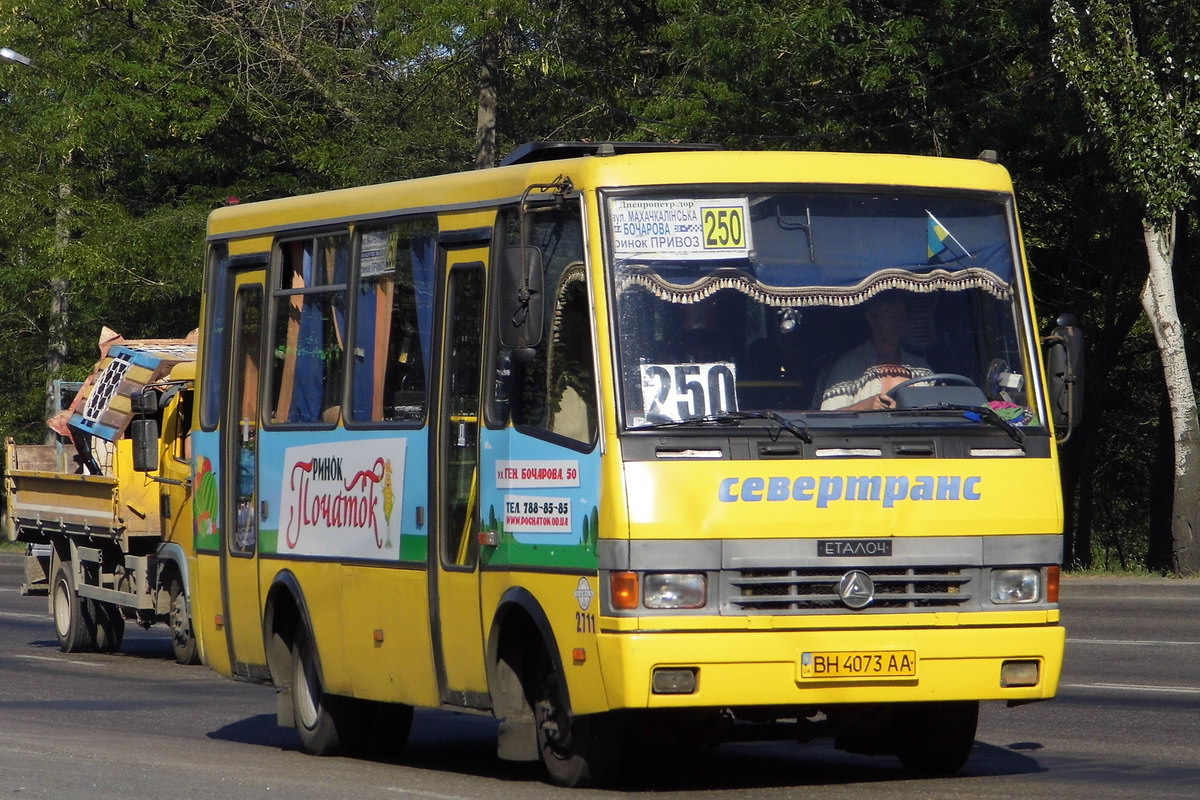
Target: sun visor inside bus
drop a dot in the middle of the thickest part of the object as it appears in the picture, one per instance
(811, 250)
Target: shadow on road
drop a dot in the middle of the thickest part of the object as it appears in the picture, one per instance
(466, 745)
(146, 646)
(261, 730)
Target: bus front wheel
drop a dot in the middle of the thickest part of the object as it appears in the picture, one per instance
(936, 738)
(576, 750)
(322, 720)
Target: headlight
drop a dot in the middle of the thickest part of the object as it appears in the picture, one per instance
(674, 590)
(1016, 585)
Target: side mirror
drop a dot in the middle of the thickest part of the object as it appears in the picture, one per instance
(144, 433)
(1064, 371)
(519, 297)
(144, 402)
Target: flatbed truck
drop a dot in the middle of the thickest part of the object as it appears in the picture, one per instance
(110, 541)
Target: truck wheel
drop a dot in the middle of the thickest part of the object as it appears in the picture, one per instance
(183, 639)
(936, 738)
(73, 622)
(576, 750)
(326, 723)
(110, 626)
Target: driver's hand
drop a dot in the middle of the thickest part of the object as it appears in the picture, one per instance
(883, 402)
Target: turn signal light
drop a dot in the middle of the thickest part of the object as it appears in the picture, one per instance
(624, 587)
(1052, 576)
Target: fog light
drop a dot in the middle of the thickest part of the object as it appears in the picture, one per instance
(1016, 585)
(1019, 673)
(673, 681)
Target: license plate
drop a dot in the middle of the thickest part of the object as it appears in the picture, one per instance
(859, 664)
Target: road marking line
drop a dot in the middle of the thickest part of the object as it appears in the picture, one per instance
(19, 615)
(61, 660)
(1132, 687)
(434, 795)
(1134, 643)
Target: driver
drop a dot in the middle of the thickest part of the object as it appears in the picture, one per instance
(861, 378)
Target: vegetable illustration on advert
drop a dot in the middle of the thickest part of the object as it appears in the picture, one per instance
(388, 501)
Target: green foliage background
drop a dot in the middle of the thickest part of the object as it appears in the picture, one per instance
(153, 112)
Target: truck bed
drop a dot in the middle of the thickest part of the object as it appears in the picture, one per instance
(43, 500)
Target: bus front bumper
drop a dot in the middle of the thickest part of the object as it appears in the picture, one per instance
(771, 668)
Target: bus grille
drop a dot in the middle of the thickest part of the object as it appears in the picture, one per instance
(783, 591)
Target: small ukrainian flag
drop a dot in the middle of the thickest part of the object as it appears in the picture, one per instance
(935, 237)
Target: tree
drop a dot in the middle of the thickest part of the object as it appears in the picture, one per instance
(143, 115)
(83, 134)
(1138, 76)
(152, 112)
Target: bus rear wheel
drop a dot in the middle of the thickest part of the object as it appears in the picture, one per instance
(576, 751)
(323, 721)
(74, 625)
(936, 738)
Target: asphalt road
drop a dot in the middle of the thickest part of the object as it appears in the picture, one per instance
(136, 725)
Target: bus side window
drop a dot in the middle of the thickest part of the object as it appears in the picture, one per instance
(310, 330)
(570, 382)
(393, 322)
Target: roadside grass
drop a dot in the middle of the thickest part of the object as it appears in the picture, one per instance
(11, 547)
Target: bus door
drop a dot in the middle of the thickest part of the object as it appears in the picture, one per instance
(454, 454)
(239, 453)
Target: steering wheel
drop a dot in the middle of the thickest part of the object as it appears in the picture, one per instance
(937, 377)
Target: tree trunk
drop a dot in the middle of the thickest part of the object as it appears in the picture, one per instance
(1158, 300)
(485, 124)
(56, 355)
(1082, 457)
(1162, 477)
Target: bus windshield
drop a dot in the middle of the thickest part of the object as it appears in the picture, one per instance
(813, 303)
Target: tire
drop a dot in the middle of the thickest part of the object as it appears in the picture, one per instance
(328, 725)
(73, 622)
(110, 626)
(183, 638)
(577, 751)
(936, 738)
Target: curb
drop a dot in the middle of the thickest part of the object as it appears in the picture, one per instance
(1129, 587)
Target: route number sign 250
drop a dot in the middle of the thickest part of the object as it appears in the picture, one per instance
(686, 391)
(724, 227)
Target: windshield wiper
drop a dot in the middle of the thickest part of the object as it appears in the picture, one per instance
(985, 414)
(729, 417)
